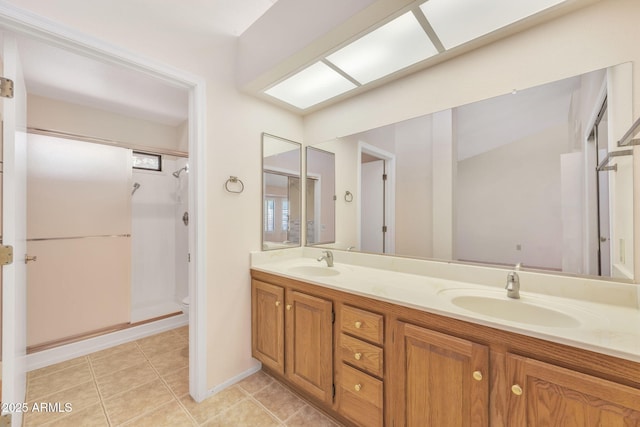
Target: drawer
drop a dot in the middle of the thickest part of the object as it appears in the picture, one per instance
(361, 398)
(360, 354)
(363, 324)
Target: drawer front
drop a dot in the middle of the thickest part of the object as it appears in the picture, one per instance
(363, 324)
(362, 355)
(362, 397)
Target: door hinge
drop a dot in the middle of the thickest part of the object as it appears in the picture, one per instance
(6, 88)
(5, 420)
(189, 257)
(384, 176)
(384, 228)
(6, 255)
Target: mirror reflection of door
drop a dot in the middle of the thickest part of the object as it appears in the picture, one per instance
(373, 204)
(600, 135)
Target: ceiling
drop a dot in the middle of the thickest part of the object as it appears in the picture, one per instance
(56, 73)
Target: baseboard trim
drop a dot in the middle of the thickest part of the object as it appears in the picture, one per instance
(81, 348)
(231, 381)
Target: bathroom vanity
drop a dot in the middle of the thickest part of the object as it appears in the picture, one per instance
(374, 347)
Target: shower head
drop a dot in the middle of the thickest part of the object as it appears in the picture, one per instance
(179, 171)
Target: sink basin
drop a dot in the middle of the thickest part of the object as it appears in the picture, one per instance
(311, 270)
(515, 311)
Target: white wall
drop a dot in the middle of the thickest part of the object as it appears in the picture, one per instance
(503, 201)
(155, 226)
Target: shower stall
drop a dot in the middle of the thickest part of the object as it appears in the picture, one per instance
(107, 241)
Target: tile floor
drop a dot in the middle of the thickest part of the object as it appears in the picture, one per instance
(145, 383)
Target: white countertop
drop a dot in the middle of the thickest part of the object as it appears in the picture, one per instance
(611, 328)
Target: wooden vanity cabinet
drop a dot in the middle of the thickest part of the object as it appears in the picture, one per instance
(267, 323)
(397, 366)
(547, 395)
(439, 380)
(309, 344)
(360, 369)
(292, 335)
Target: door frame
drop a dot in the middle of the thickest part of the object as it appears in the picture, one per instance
(390, 194)
(23, 23)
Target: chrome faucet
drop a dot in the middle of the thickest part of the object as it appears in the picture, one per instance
(328, 256)
(513, 283)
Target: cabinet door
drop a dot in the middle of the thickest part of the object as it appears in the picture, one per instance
(547, 395)
(442, 380)
(310, 344)
(267, 321)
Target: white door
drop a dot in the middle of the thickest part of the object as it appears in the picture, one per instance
(372, 210)
(14, 277)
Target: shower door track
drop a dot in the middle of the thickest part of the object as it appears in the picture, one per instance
(104, 141)
(43, 239)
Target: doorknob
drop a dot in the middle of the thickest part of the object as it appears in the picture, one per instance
(28, 258)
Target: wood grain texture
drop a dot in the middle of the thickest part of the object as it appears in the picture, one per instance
(309, 344)
(362, 355)
(363, 324)
(267, 321)
(556, 396)
(362, 405)
(439, 388)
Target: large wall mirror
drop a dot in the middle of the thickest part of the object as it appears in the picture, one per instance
(281, 193)
(512, 179)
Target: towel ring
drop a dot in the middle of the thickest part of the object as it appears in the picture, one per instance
(234, 180)
(348, 197)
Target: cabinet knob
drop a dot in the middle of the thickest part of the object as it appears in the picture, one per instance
(516, 389)
(288, 306)
(357, 387)
(477, 375)
(277, 303)
(358, 356)
(358, 325)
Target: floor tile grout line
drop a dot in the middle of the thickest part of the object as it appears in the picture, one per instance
(266, 409)
(100, 396)
(173, 394)
(223, 412)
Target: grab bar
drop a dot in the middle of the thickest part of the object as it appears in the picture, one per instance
(42, 239)
(603, 164)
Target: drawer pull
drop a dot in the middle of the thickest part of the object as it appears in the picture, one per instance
(477, 375)
(358, 325)
(516, 389)
(358, 356)
(277, 303)
(357, 387)
(288, 306)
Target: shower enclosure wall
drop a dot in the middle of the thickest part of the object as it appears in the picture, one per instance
(108, 242)
(159, 241)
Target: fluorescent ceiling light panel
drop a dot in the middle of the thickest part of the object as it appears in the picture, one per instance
(311, 86)
(459, 21)
(392, 47)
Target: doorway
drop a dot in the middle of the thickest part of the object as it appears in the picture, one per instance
(50, 34)
(377, 199)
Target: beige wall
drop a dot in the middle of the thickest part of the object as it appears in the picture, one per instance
(50, 114)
